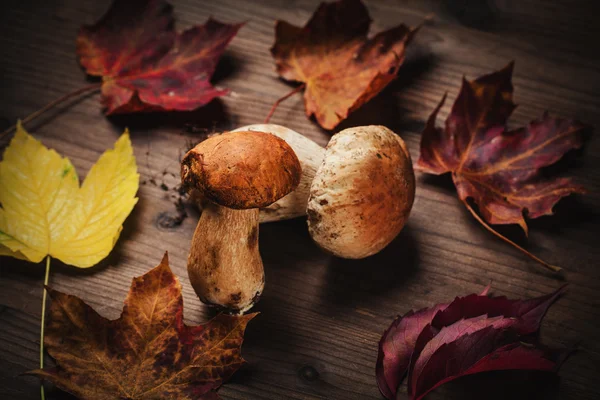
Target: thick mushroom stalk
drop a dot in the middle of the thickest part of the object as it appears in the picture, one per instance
(227, 273)
(235, 173)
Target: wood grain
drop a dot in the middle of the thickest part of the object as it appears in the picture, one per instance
(321, 317)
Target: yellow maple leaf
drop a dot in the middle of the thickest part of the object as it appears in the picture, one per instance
(44, 212)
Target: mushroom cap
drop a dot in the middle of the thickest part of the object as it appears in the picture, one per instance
(310, 155)
(363, 192)
(242, 170)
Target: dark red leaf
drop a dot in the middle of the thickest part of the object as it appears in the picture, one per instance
(403, 344)
(525, 318)
(499, 169)
(145, 64)
(397, 344)
(396, 347)
(449, 334)
(477, 351)
(530, 312)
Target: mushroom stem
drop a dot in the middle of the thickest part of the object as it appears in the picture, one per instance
(224, 265)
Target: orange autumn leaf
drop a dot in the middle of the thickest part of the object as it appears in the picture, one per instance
(341, 68)
(148, 352)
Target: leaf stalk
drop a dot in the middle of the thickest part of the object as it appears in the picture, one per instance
(553, 268)
(281, 99)
(43, 323)
(54, 103)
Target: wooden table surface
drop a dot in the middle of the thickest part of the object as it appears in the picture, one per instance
(322, 317)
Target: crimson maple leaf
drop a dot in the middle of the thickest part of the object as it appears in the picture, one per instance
(499, 169)
(145, 64)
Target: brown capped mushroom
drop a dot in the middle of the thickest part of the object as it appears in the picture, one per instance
(236, 173)
(310, 155)
(362, 193)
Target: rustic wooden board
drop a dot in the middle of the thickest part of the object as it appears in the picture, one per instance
(321, 317)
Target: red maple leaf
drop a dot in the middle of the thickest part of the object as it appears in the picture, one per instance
(145, 64)
(497, 168)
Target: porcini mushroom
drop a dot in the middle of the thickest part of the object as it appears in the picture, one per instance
(358, 193)
(362, 193)
(236, 173)
(361, 188)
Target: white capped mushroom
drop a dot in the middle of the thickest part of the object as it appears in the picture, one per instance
(362, 193)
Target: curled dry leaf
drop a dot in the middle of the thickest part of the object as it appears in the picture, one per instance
(147, 353)
(431, 344)
(341, 68)
(145, 65)
(500, 170)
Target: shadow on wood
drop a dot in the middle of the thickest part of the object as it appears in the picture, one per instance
(213, 116)
(228, 67)
(478, 14)
(501, 385)
(443, 182)
(359, 282)
(570, 212)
